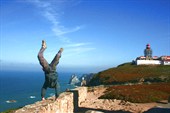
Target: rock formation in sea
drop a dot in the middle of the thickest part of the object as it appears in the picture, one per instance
(74, 80)
(87, 77)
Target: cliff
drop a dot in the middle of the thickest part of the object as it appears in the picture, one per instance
(86, 100)
(68, 102)
(83, 99)
(129, 73)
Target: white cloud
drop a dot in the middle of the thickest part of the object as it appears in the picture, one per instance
(78, 49)
(78, 44)
(51, 10)
(74, 49)
(61, 30)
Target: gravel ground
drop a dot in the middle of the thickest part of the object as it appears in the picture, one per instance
(94, 105)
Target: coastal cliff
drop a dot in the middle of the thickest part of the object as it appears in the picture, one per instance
(127, 88)
(67, 102)
(129, 73)
(86, 100)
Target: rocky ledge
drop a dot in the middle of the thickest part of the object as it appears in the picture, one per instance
(85, 100)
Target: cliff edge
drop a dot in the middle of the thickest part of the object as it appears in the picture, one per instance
(86, 100)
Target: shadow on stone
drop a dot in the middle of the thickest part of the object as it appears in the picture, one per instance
(75, 99)
(158, 110)
(91, 110)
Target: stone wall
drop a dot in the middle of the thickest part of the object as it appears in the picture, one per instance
(68, 102)
(82, 94)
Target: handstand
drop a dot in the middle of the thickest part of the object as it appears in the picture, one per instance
(49, 71)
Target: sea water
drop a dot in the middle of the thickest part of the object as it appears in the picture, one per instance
(18, 88)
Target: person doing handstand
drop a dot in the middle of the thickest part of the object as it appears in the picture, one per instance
(51, 76)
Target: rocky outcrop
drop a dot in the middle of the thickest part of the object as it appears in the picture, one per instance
(74, 80)
(67, 102)
(87, 77)
(80, 100)
(64, 105)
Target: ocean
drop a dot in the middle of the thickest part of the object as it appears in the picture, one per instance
(25, 88)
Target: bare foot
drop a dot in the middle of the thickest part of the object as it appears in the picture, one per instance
(44, 44)
(61, 49)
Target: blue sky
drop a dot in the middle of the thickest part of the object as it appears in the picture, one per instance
(95, 34)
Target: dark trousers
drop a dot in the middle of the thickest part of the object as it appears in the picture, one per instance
(47, 69)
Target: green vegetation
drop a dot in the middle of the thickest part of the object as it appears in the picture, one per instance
(129, 73)
(144, 83)
(139, 93)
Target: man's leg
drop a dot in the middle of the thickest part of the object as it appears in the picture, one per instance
(55, 61)
(41, 58)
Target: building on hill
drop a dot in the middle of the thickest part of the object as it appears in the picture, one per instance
(147, 59)
(166, 60)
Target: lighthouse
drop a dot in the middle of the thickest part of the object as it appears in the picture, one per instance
(148, 52)
(147, 59)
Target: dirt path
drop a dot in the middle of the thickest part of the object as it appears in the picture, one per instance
(92, 102)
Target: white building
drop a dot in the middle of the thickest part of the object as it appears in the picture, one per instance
(166, 62)
(163, 60)
(148, 62)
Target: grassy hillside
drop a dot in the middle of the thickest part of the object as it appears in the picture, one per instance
(127, 72)
(139, 93)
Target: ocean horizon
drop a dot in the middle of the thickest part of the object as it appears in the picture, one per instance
(20, 88)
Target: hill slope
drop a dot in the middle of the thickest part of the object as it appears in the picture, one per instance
(145, 93)
(127, 72)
